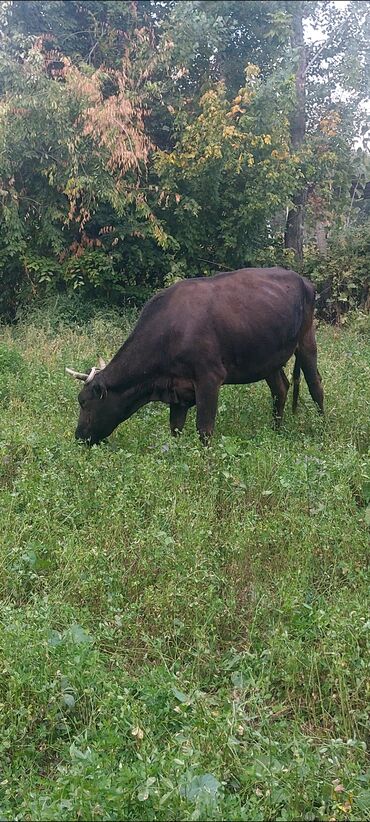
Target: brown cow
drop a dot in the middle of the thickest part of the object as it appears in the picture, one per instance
(199, 334)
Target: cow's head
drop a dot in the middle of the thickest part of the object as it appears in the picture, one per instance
(100, 408)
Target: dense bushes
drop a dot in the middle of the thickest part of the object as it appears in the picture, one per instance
(158, 145)
(342, 278)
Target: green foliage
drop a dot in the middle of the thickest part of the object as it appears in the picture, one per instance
(230, 170)
(142, 142)
(11, 369)
(184, 632)
(342, 277)
(93, 268)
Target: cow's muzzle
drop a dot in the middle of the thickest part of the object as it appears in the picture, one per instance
(83, 437)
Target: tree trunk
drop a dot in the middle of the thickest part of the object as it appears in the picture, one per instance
(321, 236)
(293, 237)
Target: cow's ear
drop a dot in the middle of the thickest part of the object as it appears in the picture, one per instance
(99, 390)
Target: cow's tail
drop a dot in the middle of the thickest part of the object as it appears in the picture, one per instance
(296, 379)
(308, 312)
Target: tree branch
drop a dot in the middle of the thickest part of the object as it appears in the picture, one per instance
(324, 45)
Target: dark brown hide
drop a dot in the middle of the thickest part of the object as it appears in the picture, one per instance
(200, 334)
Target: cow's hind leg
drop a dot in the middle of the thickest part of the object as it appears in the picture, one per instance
(308, 360)
(177, 418)
(279, 385)
(296, 380)
(206, 397)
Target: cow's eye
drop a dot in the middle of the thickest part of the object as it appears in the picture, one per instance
(99, 391)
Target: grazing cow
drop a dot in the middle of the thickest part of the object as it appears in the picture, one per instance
(199, 334)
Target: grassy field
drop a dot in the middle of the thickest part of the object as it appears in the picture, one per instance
(183, 631)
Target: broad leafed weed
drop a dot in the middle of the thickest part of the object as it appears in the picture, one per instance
(184, 632)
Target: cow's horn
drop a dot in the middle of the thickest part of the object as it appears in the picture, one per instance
(92, 374)
(77, 374)
(102, 363)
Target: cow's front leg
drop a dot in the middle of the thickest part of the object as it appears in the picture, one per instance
(177, 418)
(206, 398)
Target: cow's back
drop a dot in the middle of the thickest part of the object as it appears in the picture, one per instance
(248, 320)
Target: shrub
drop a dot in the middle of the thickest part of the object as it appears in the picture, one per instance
(342, 278)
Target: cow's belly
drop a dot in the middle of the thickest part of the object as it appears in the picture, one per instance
(248, 370)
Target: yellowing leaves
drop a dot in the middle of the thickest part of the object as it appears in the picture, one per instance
(242, 99)
(230, 131)
(261, 140)
(210, 98)
(248, 158)
(329, 125)
(220, 140)
(115, 123)
(279, 155)
(236, 109)
(346, 807)
(214, 152)
(252, 71)
(138, 733)
(159, 235)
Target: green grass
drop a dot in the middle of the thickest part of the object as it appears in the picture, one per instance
(183, 631)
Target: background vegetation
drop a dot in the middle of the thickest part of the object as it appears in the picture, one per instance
(146, 141)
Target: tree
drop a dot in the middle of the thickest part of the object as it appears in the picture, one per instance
(293, 237)
(231, 164)
(338, 66)
(148, 140)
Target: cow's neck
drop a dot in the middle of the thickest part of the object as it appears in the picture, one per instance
(133, 398)
(130, 367)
